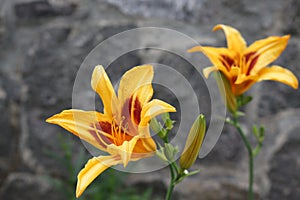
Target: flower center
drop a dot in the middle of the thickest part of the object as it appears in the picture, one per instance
(119, 131)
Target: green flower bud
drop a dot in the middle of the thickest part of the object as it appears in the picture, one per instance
(193, 143)
(226, 92)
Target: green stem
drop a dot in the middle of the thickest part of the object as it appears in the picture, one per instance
(250, 154)
(172, 181)
(170, 190)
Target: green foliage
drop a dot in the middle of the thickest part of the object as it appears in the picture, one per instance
(109, 185)
(162, 130)
(158, 128)
(243, 100)
(259, 134)
(169, 124)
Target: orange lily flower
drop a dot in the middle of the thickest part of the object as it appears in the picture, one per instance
(123, 129)
(243, 66)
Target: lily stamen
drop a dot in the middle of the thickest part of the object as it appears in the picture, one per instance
(99, 135)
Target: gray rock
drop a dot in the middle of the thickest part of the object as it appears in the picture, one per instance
(41, 9)
(208, 190)
(9, 124)
(4, 121)
(291, 19)
(242, 13)
(17, 185)
(46, 89)
(43, 89)
(286, 97)
(2, 29)
(6, 143)
(284, 181)
(42, 61)
(228, 151)
(176, 9)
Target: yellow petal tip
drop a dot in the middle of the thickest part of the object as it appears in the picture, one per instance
(295, 86)
(287, 37)
(195, 49)
(51, 120)
(79, 189)
(217, 27)
(78, 194)
(98, 67)
(97, 74)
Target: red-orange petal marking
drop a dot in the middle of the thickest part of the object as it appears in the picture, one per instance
(227, 61)
(100, 138)
(137, 108)
(252, 58)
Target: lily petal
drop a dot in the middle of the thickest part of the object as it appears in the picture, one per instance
(214, 54)
(144, 93)
(208, 70)
(195, 49)
(102, 85)
(154, 108)
(124, 151)
(243, 78)
(146, 140)
(222, 58)
(93, 168)
(239, 89)
(277, 73)
(235, 41)
(82, 124)
(138, 100)
(135, 80)
(267, 50)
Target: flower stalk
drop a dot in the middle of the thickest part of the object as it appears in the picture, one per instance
(191, 150)
(250, 152)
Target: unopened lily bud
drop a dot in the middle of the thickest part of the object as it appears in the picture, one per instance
(193, 143)
(226, 92)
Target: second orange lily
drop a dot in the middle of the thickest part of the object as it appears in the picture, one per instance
(243, 66)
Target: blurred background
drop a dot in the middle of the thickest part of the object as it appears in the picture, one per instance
(44, 42)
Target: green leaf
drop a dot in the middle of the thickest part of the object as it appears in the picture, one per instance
(170, 152)
(243, 100)
(155, 125)
(255, 131)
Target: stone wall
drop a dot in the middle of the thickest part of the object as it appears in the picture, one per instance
(43, 43)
